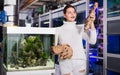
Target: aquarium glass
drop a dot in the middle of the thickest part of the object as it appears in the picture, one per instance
(45, 23)
(113, 8)
(113, 44)
(112, 73)
(57, 22)
(28, 51)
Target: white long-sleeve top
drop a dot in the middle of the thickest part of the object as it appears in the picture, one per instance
(72, 34)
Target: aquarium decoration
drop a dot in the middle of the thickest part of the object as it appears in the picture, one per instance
(29, 53)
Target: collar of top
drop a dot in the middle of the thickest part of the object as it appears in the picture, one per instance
(69, 23)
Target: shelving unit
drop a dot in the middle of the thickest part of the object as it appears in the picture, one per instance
(58, 13)
(100, 34)
(96, 55)
(111, 37)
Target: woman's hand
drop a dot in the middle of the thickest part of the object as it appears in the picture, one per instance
(91, 18)
(89, 24)
(64, 51)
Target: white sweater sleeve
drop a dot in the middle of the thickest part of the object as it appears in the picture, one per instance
(90, 38)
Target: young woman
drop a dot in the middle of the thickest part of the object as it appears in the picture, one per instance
(72, 34)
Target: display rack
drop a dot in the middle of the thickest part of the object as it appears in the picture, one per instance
(111, 32)
(96, 54)
(100, 34)
(58, 13)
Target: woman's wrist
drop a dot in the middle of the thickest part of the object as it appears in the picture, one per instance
(92, 27)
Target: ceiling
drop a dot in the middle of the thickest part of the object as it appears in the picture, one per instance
(31, 4)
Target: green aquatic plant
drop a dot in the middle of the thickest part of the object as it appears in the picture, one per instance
(30, 53)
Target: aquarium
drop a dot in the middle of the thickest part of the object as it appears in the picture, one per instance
(28, 48)
(112, 73)
(95, 66)
(80, 18)
(57, 22)
(113, 45)
(113, 8)
(45, 23)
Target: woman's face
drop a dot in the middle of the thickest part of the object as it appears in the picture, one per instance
(70, 14)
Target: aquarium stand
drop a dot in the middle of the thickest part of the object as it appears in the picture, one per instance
(33, 72)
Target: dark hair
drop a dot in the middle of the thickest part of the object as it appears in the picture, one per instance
(68, 6)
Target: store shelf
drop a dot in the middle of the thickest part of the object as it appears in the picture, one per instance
(113, 55)
(27, 30)
(113, 18)
(96, 57)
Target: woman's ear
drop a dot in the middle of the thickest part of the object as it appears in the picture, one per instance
(64, 17)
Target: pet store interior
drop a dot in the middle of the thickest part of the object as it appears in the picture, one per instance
(28, 30)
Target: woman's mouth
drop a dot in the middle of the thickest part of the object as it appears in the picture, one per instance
(72, 17)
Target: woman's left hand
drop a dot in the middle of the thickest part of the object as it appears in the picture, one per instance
(92, 16)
